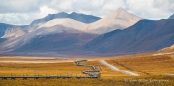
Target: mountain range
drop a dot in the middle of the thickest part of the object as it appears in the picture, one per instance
(144, 36)
(52, 33)
(117, 33)
(75, 16)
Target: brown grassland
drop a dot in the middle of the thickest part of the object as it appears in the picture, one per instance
(152, 70)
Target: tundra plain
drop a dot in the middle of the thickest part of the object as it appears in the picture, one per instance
(152, 70)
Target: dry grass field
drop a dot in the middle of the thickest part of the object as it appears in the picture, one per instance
(42, 66)
(152, 70)
(145, 65)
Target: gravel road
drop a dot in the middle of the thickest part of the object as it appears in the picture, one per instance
(116, 69)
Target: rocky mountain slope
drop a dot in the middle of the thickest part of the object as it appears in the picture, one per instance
(4, 27)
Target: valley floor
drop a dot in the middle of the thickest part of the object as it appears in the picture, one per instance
(152, 70)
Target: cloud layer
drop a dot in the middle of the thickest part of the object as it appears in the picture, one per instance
(25, 11)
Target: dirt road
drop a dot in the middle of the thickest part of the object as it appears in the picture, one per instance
(116, 69)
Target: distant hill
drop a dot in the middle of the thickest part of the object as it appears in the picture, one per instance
(167, 49)
(144, 36)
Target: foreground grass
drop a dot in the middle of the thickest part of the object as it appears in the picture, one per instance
(40, 68)
(121, 81)
(145, 64)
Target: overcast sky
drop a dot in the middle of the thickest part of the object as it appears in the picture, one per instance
(25, 11)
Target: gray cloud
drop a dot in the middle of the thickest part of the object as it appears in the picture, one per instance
(153, 9)
(165, 5)
(18, 6)
(25, 11)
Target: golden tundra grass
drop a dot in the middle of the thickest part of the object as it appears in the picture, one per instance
(148, 66)
(40, 68)
(145, 65)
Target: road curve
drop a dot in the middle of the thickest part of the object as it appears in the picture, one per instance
(116, 69)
